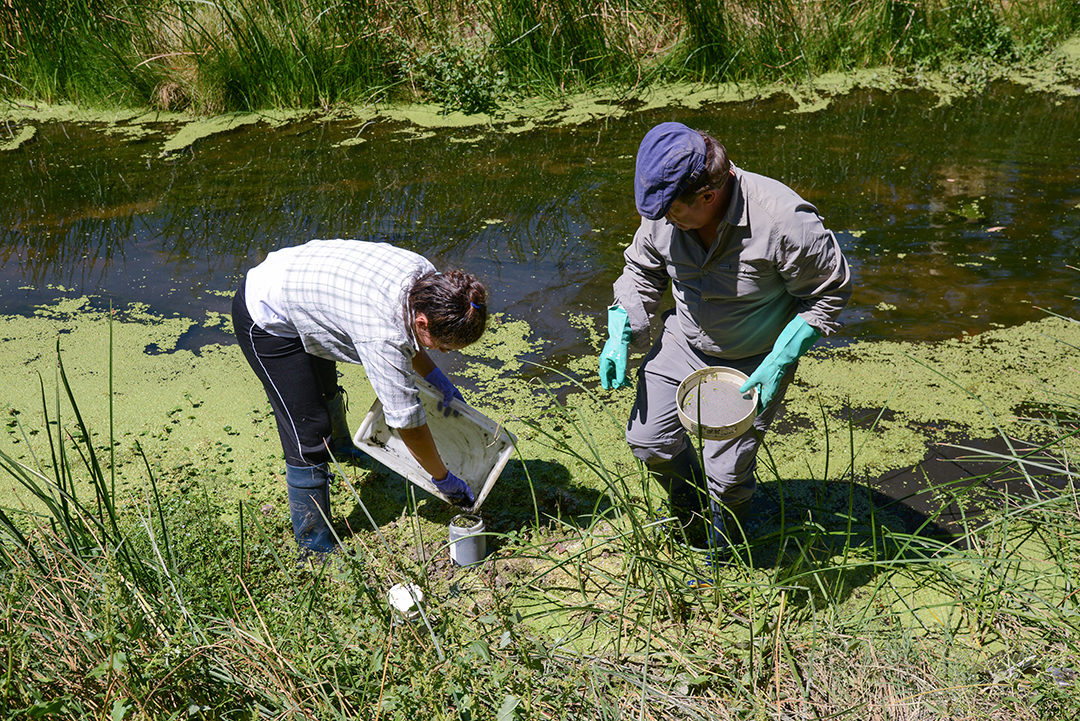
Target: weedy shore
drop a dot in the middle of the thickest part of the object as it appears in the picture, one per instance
(147, 561)
(210, 58)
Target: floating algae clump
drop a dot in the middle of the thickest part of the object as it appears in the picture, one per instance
(496, 359)
(16, 140)
(199, 129)
(897, 398)
(187, 412)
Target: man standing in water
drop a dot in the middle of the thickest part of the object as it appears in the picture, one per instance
(756, 280)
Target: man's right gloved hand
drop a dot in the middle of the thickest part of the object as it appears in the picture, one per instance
(456, 490)
(613, 357)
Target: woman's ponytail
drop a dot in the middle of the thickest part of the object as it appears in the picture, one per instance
(455, 304)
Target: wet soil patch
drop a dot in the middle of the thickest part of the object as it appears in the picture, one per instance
(955, 488)
(980, 481)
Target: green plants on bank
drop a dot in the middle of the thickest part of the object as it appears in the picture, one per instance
(457, 78)
(215, 57)
(173, 602)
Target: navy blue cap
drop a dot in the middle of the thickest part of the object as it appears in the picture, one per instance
(670, 160)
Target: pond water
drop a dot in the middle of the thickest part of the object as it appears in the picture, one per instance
(957, 218)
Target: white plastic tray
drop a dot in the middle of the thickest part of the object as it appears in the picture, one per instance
(472, 446)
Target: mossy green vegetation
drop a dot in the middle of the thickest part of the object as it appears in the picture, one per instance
(144, 410)
(974, 386)
(586, 605)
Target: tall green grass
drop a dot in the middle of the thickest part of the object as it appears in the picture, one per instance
(232, 55)
(168, 603)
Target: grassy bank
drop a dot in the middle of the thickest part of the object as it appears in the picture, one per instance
(210, 58)
(141, 577)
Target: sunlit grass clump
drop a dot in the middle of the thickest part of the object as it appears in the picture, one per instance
(213, 57)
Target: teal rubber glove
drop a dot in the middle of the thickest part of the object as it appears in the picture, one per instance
(613, 357)
(794, 341)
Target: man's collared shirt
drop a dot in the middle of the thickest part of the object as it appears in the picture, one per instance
(772, 259)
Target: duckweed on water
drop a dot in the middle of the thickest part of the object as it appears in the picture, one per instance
(202, 410)
(1055, 73)
(17, 138)
(195, 130)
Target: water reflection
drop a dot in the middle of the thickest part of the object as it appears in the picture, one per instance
(956, 218)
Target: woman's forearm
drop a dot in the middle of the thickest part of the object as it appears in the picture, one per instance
(422, 446)
(422, 363)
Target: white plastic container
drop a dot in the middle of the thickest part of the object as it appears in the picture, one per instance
(472, 446)
(467, 547)
(405, 600)
(710, 405)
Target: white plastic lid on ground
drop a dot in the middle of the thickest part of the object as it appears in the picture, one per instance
(405, 599)
(474, 447)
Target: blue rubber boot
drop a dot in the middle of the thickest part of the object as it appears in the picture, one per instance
(341, 442)
(684, 481)
(309, 508)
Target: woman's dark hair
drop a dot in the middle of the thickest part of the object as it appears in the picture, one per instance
(455, 304)
(717, 168)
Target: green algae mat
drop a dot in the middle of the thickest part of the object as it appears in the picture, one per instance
(859, 411)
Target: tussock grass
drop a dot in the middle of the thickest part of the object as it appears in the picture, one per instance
(214, 57)
(170, 604)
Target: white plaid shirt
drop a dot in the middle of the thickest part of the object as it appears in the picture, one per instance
(346, 300)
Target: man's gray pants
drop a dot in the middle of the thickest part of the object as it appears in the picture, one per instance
(656, 436)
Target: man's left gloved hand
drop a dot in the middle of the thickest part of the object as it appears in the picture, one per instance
(794, 341)
(456, 490)
(438, 379)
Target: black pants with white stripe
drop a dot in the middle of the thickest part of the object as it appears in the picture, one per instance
(297, 384)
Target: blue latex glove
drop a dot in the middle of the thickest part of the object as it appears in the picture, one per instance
(456, 490)
(613, 357)
(438, 379)
(794, 341)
